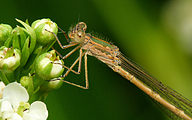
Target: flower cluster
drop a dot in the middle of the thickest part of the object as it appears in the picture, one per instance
(24, 58)
(14, 104)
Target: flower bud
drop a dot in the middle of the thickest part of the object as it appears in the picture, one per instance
(44, 37)
(48, 66)
(5, 32)
(27, 82)
(9, 59)
(51, 85)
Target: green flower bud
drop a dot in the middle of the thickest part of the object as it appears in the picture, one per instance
(56, 84)
(27, 82)
(52, 85)
(24, 81)
(9, 59)
(44, 37)
(5, 32)
(48, 66)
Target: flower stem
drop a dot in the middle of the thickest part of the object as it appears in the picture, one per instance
(10, 76)
(4, 78)
(37, 81)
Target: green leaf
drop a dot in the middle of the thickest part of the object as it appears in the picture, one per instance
(16, 41)
(31, 33)
(32, 58)
(25, 52)
(8, 41)
(22, 37)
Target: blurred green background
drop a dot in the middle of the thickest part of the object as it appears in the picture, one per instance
(155, 34)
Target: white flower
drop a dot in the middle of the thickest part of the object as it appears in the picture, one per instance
(43, 29)
(14, 106)
(9, 59)
(2, 86)
(37, 111)
(48, 66)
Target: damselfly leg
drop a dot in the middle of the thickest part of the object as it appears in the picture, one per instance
(79, 59)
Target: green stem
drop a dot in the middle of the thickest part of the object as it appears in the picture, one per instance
(46, 48)
(4, 78)
(18, 74)
(37, 81)
(10, 76)
(33, 57)
(30, 87)
(38, 96)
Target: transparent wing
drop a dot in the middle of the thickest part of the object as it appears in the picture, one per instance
(164, 91)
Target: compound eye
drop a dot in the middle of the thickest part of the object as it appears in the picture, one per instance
(82, 25)
(71, 36)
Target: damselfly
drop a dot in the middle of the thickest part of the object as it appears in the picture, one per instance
(173, 103)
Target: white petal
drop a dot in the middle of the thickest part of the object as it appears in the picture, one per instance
(10, 61)
(6, 109)
(2, 86)
(44, 63)
(37, 111)
(27, 116)
(16, 117)
(56, 68)
(1, 113)
(15, 93)
(6, 106)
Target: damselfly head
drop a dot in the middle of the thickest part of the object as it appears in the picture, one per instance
(77, 34)
(81, 25)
